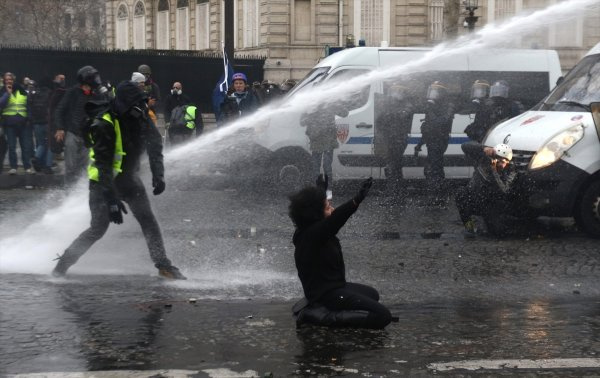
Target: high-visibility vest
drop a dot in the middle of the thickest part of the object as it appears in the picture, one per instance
(17, 104)
(93, 173)
(190, 117)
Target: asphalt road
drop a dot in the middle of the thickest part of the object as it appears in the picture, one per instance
(524, 306)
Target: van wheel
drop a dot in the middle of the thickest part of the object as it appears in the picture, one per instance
(587, 215)
(290, 173)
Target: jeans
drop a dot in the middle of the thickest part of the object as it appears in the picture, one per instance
(325, 157)
(23, 132)
(42, 151)
(3, 148)
(131, 190)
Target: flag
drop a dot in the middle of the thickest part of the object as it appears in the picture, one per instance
(220, 90)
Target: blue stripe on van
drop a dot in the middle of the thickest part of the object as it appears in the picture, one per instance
(411, 140)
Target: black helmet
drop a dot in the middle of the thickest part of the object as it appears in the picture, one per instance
(145, 69)
(436, 91)
(499, 89)
(398, 92)
(89, 75)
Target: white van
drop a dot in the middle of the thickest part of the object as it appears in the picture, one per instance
(557, 146)
(531, 74)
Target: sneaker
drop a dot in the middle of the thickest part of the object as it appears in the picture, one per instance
(36, 164)
(171, 272)
(12, 171)
(30, 171)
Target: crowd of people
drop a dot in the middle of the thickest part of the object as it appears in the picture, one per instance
(44, 118)
(103, 130)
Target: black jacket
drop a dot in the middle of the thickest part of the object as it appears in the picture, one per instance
(486, 180)
(137, 135)
(490, 113)
(39, 103)
(70, 113)
(173, 101)
(318, 253)
(232, 110)
(438, 119)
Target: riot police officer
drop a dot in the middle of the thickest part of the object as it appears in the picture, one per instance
(395, 122)
(497, 108)
(479, 95)
(435, 132)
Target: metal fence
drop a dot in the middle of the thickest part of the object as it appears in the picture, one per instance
(199, 72)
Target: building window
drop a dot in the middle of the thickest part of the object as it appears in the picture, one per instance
(302, 16)
(182, 27)
(96, 19)
(81, 20)
(504, 9)
(139, 26)
(436, 20)
(122, 29)
(251, 23)
(235, 23)
(202, 25)
(68, 22)
(372, 21)
(162, 25)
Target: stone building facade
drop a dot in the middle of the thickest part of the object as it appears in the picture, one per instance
(295, 34)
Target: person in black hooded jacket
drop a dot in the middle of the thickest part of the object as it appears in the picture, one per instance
(118, 134)
(329, 299)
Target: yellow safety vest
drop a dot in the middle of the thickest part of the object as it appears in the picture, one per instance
(17, 104)
(190, 117)
(93, 172)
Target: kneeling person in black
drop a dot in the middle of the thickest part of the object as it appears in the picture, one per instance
(330, 300)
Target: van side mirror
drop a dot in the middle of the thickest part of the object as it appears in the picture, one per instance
(559, 80)
(595, 108)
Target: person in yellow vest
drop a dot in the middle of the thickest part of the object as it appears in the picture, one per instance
(117, 136)
(185, 121)
(14, 111)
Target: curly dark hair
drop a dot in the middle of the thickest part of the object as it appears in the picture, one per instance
(307, 206)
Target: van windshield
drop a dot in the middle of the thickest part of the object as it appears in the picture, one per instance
(580, 87)
(313, 77)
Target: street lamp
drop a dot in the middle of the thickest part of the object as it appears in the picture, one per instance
(471, 19)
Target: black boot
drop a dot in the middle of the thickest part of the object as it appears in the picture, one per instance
(170, 272)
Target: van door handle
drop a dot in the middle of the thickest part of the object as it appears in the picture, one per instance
(363, 125)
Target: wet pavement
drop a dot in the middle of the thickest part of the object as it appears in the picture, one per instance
(523, 306)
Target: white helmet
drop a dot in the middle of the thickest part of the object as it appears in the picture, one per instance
(504, 151)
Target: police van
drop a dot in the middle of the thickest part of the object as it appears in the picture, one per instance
(556, 145)
(530, 73)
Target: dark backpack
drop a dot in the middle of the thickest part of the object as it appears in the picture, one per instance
(178, 117)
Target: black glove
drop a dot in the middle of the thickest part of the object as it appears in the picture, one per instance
(115, 207)
(158, 183)
(322, 182)
(364, 190)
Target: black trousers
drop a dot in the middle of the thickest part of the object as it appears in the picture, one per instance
(356, 305)
(132, 191)
(434, 169)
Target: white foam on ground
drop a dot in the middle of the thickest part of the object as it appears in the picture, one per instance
(553, 363)
(166, 373)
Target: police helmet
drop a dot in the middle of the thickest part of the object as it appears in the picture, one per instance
(144, 69)
(503, 151)
(479, 90)
(88, 75)
(398, 92)
(436, 91)
(499, 89)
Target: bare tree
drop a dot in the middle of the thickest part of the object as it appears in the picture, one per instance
(53, 23)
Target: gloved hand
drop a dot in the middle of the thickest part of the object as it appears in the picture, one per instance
(364, 190)
(322, 182)
(158, 183)
(115, 207)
